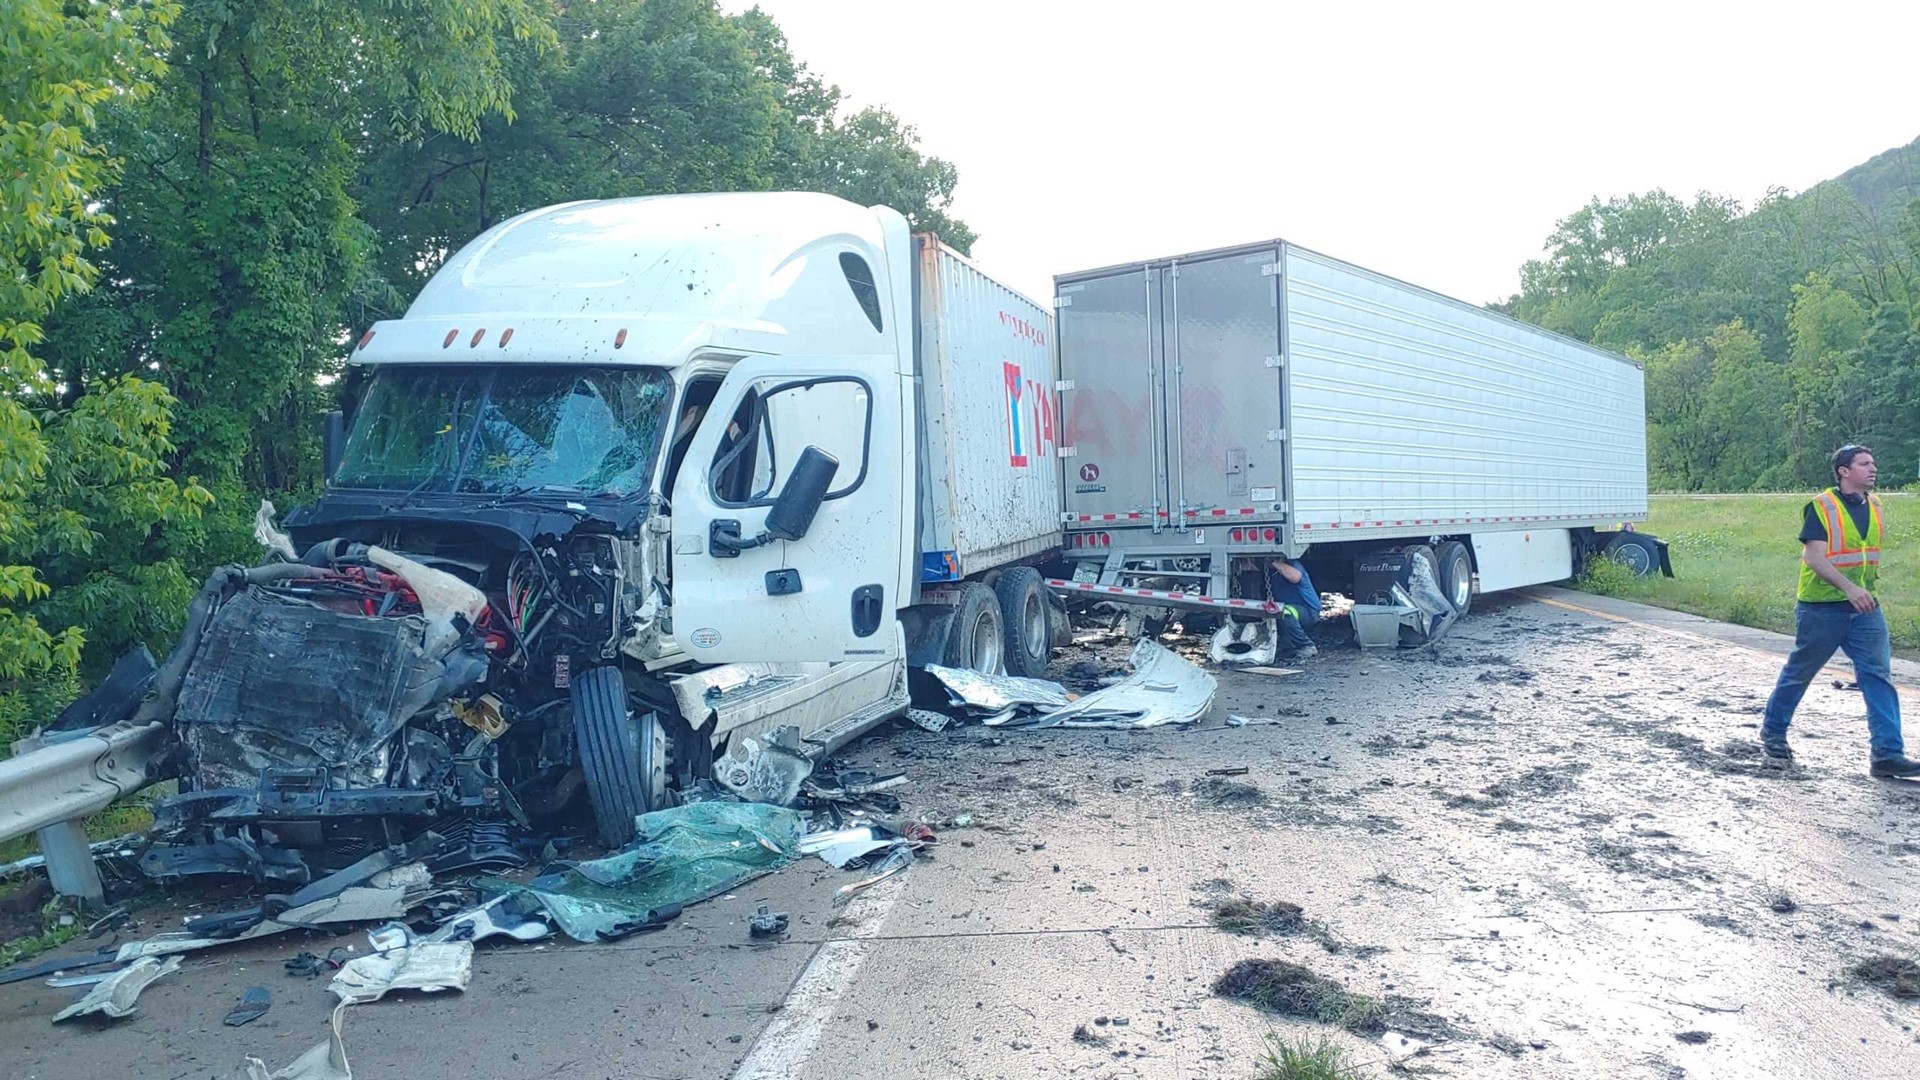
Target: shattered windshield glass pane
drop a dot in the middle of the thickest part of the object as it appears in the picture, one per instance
(500, 430)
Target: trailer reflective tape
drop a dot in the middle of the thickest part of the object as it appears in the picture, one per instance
(1243, 511)
(1597, 517)
(1179, 598)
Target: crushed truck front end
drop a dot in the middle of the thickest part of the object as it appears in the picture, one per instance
(472, 631)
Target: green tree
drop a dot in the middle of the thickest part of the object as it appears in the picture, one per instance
(72, 483)
(240, 249)
(1826, 329)
(1681, 450)
(644, 97)
(872, 158)
(1744, 411)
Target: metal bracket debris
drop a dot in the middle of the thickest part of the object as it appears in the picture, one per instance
(118, 995)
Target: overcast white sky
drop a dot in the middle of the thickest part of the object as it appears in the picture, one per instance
(1434, 142)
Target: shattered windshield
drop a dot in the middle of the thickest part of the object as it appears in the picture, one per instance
(508, 429)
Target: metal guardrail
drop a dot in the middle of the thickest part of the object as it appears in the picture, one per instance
(48, 787)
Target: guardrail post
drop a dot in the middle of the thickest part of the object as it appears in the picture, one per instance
(70, 866)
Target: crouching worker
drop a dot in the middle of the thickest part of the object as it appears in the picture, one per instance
(1290, 587)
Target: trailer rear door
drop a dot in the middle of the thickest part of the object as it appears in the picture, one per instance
(1223, 318)
(1173, 402)
(1113, 441)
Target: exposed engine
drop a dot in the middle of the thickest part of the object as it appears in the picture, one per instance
(342, 702)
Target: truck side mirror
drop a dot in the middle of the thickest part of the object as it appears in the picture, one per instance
(333, 442)
(801, 495)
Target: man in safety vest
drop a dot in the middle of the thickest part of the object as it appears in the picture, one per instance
(1840, 564)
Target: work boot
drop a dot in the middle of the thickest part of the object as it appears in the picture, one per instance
(1307, 653)
(1779, 754)
(1896, 766)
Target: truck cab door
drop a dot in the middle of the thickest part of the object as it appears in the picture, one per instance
(745, 592)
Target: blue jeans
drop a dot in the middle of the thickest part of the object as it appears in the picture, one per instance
(1293, 628)
(1820, 630)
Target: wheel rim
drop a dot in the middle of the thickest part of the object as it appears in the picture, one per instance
(986, 644)
(1462, 583)
(1633, 557)
(1033, 625)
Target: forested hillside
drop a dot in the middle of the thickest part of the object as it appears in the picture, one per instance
(1770, 334)
(205, 200)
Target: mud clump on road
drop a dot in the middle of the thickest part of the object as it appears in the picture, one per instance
(1288, 989)
(1899, 976)
(1221, 792)
(1239, 915)
(1695, 1038)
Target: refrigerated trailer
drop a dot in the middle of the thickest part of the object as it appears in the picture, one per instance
(1222, 408)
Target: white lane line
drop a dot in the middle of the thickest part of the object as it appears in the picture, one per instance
(790, 1039)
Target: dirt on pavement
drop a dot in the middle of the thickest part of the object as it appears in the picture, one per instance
(1551, 833)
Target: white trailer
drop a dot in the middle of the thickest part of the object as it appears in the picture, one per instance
(1225, 407)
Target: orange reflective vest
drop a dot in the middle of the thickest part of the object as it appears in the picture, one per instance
(1857, 557)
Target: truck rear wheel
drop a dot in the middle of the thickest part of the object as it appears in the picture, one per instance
(1022, 593)
(623, 753)
(1456, 574)
(1635, 552)
(977, 641)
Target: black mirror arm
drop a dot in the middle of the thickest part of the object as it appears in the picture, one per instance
(725, 536)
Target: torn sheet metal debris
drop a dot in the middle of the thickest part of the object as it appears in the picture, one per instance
(515, 916)
(685, 854)
(766, 773)
(901, 858)
(929, 720)
(1165, 688)
(401, 961)
(1245, 642)
(327, 1061)
(118, 995)
(843, 846)
(997, 699)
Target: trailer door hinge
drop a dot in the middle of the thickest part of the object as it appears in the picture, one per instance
(1063, 384)
(1272, 269)
(1062, 301)
(1277, 434)
(1276, 361)
(1069, 451)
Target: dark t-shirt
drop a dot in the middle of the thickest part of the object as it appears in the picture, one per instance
(1300, 594)
(1813, 528)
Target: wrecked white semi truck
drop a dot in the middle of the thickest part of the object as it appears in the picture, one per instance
(639, 495)
(1222, 408)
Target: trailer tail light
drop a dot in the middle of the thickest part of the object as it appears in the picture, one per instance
(620, 339)
(364, 339)
(1271, 535)
(447, 342)
(474, 343)
(1235, 536)
(506, 336)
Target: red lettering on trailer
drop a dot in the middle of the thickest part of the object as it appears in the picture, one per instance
(1023, 329)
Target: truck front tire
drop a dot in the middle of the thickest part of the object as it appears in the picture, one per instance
(977, 641)
(622, 753)
(1022, 594)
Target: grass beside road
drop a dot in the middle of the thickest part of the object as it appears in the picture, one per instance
(1736, 558)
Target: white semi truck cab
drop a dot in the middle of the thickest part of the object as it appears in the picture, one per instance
(639, 495)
